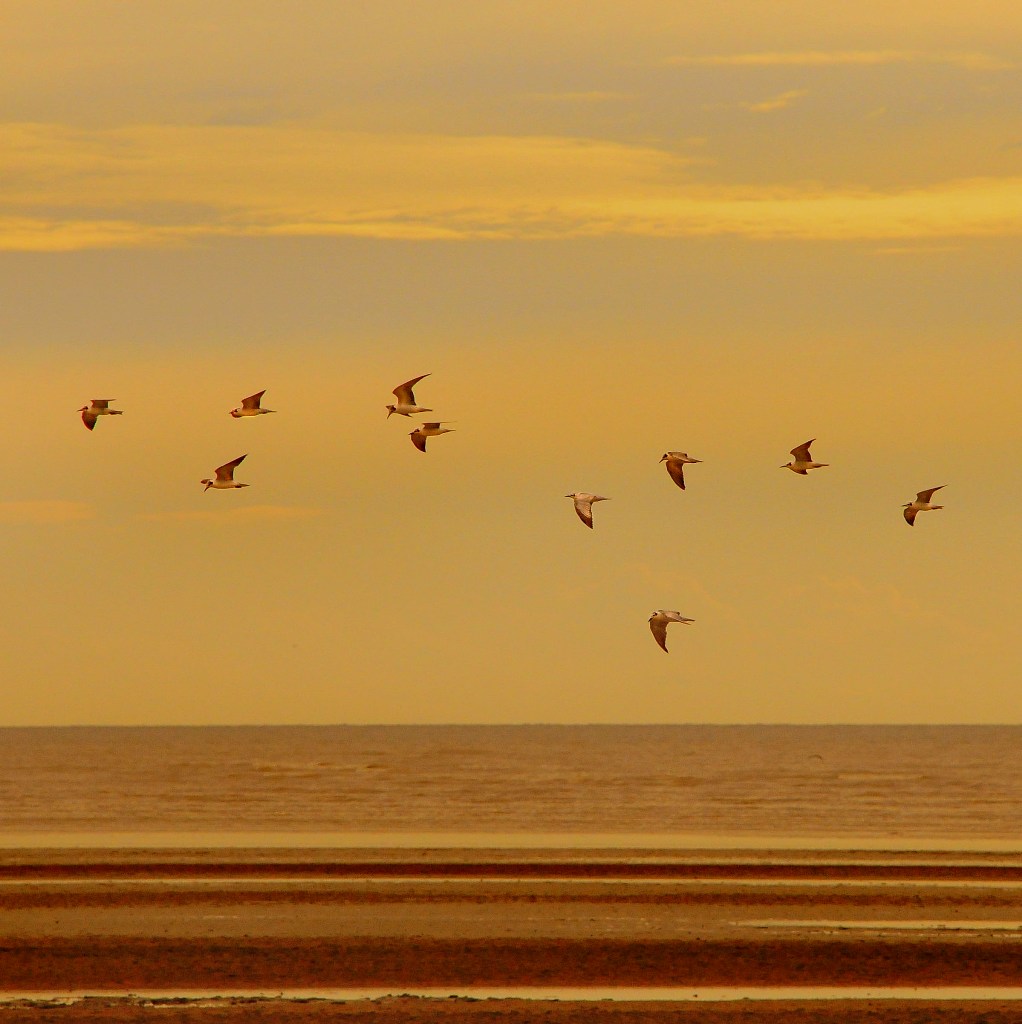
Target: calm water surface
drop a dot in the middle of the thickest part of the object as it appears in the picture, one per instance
(960, 783)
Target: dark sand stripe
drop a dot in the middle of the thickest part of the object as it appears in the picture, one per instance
(92, 962)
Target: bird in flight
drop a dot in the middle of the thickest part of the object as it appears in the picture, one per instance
(250, 406)
(99, 407)
(803, 461)
(676, 466)
(225, 476)
(658, 624)
(921, 504)
(424, 430)
(406, 399)
(584, 505)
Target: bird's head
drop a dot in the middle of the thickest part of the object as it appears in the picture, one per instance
(208, 483)
(391, 409)
(84, 408)
(235, 413)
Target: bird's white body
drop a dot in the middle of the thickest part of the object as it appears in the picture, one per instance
(676, 462)
(224, 479)
(922, 503)
(424, 430)
(584, 505)
(802, 461)
(406, 404)
(250, 406)
(658, 624)
(99, 407)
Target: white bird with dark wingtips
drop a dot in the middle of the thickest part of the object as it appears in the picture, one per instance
(99, 407)
(225, 476)
(250, 406)
(803, 461)
(584, 505)
(921, 504)
(406, 400)
(658, 624)
(424, 430)
(676, 465)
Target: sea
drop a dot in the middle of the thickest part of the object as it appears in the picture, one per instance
(540, 785)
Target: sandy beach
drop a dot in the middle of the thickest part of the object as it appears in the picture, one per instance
(249, 925)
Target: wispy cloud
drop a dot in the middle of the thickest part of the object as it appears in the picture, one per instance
(973, 61)
(778, 102)
(233, 516)
(171, 185)
(45, 512)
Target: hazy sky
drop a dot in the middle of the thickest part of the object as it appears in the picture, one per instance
(606, 230)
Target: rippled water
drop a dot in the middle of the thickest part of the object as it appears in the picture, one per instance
(814, 781)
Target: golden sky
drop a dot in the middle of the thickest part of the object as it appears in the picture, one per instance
(606, 232)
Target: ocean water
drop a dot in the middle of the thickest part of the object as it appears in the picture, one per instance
(888, 783)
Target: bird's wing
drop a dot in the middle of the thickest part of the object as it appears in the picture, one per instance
(927, 494)
(910, 516)
(418, 439)
(252, 402)
(102, 403)
(226, 471)
(403, 392)
(677, 471)
(677, 617)
(88, 419)
(659, 629)
(801, 453)
(584, 508)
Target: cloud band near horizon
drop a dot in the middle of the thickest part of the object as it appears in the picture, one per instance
(154, 186)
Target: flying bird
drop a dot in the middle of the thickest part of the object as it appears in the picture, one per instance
(99, 407)
(658, 624)
(250, 406)
(424, 430)
(406, 400)
(584, 505)
(676, 466)
(225, 476)
(803, 461)
(921, 504)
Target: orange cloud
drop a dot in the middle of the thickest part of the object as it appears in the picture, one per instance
(171, 185)
(779, 102)
(972, 61)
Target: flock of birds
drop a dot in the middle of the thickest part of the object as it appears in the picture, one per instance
(223, 479)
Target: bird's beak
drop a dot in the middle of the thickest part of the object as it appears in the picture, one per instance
(390, 412)
(663, 458)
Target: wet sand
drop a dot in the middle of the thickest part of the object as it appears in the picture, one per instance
(114, 922)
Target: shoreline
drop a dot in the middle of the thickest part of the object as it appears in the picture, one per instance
(403, 1008)
(269, 921)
